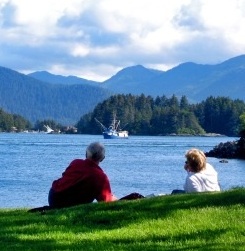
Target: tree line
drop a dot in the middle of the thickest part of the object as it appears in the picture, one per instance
(16, 123)
(145, 115)
(12, 122)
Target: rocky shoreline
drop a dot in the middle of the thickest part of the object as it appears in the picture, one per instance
(229, 150)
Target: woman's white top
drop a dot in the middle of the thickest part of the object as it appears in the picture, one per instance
(203, 181)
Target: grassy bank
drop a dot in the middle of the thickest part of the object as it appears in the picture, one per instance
(181, 222)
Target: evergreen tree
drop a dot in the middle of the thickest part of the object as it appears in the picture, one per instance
(144, 115)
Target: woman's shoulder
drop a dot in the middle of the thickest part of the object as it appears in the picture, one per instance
(209, 170)
(209, 167)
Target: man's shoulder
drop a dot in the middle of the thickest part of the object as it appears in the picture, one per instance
(77, 161)
(86, 163)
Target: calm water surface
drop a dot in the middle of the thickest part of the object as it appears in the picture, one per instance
(30, 162)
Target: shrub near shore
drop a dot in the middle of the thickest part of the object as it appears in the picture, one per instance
(204, 221)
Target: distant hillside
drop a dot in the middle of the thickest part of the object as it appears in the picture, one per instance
(59, 79)
(37, 100)
(132, 80)
(195, 81)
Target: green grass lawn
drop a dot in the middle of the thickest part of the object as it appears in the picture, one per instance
(205, 221)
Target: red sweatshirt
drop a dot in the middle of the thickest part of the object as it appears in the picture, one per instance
(93, 182)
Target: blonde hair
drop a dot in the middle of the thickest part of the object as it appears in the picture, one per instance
(196, 160)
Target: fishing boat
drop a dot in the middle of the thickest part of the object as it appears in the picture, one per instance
(113, 131)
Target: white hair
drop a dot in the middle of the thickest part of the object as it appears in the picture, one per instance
(95, 151)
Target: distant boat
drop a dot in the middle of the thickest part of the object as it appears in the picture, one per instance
(49, 129)
(113, 131)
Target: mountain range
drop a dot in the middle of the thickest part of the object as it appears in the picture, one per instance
(195, 81)
(42, 95)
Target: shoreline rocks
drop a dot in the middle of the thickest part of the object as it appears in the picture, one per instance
(229, 150)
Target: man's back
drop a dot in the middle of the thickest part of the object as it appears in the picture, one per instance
(82, 182)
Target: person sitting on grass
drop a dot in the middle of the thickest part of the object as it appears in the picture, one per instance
(83, 181)
(201, 176)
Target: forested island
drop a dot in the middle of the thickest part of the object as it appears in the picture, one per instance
(145, 115)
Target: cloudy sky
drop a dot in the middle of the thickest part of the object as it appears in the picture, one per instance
(94, 39)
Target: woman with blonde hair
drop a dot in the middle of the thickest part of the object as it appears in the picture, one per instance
(201, 176)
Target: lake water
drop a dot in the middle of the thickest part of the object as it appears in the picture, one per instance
(144, 164)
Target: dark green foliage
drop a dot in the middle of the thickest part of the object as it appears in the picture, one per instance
(9, 122)
(144, 115)
(242, 124)
(220, 115)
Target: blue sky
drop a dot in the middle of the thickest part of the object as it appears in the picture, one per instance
(94, 39)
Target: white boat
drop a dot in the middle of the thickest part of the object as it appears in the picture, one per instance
(49, 129)
(113, 131)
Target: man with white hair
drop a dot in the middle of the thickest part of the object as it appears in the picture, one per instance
(83, 181)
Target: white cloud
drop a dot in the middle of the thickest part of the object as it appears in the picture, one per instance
(80, 50)
(91, 38)
(228, 25)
